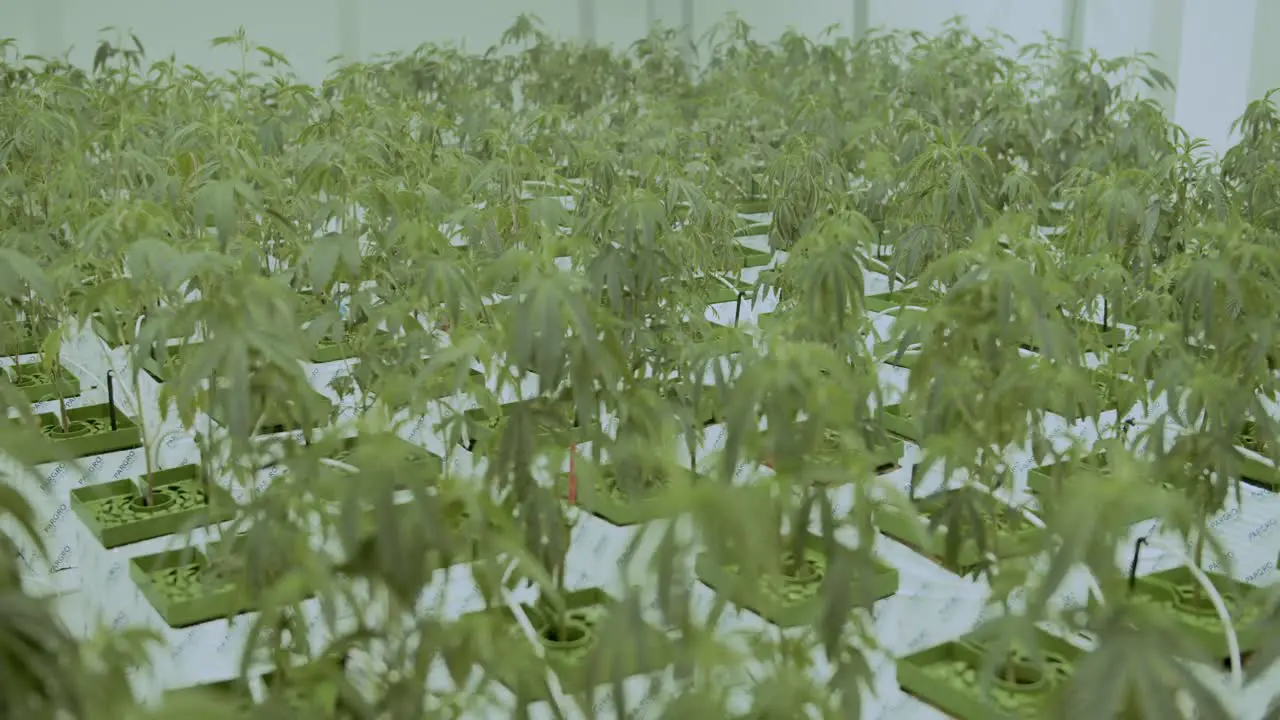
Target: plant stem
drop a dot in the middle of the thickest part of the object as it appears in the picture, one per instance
(562, 611)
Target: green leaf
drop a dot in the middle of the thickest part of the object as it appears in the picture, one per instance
(20, 275)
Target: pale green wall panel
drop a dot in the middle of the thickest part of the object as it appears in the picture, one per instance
(349, 23)
(622, 22)
(1221, 51)
(1119, 28)
(861, 18)
(307, 34)
(18, 22)
(587, 26)
(1025, 21)
(1073, 23)
(1165, 33)
(1264, 64)
(1128, 28)
(399, 25)
(769, 18)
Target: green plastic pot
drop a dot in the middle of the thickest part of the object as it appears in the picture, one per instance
(114, 514)
(602, 500)
(1176, 592)
(1016, 542)
(754, 206)
(1046, 483)
(91, 434)
(173, 583)
(949, 677)
(787, 602)
(754, 258)
(41, 386)
(899, 423)
(752, 230)
(1253, 470)
(356, 450)
(161, 368)
(1259, 474)
(898, 299)
(882, 251)
(581, 662)
(1072, 409)
(185, 588)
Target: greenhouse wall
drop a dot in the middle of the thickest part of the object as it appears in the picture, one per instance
(1216, 49)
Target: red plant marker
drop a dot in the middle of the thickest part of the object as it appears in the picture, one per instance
(573, 475)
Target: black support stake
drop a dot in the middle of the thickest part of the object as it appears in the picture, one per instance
(111, 398)
(1133, 564)
(737, 311)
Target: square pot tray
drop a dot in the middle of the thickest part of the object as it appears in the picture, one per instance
(583, 659)
(1176, 591)
(597, 495)
(90, 433)
(1015, 540)
(950, 678)
(789, 602)
(39, 385)
(1049, 481)
(116, 515)
(186, 589)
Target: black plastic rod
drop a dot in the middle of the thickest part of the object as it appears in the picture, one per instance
(1133, 564)
(111, 398)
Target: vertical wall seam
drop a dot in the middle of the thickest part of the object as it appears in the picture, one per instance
(349, 31)
(686, 20)
(1073, 14)
(861, 18)
(587, 20)
(1264, 54)
(1164, 40)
